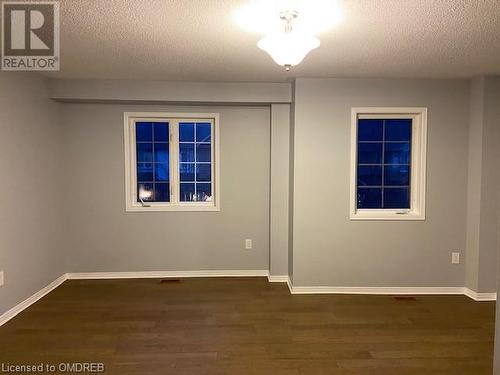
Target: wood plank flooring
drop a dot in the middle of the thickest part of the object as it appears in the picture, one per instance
(248, 326)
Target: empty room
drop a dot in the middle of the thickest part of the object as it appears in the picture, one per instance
(250, 187)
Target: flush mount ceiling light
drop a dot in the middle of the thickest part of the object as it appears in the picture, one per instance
(264, 16)
(289, 47)
(289, 26)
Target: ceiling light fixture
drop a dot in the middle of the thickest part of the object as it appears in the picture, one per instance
(263, 16)
(288, 26)
(288, 48)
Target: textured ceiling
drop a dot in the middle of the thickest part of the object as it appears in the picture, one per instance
(197, 40)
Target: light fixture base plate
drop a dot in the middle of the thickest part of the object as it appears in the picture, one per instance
(288, 15)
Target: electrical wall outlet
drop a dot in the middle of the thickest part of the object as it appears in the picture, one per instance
(1, 278)
(248, 244)
(455, 258)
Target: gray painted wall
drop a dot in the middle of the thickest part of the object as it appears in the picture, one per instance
(280, 134)
(31, 233)
(106, 238)
(291, 160)
(492, 117)
(490, 186)
(483, 207)
(474, 184)
(328, 248)
(170, 91)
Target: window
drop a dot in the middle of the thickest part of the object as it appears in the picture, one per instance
(171, 162)
(388, 149)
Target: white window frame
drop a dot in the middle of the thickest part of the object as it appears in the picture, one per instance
(418, 163)
(130, 118)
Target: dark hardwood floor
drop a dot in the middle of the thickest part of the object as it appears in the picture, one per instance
(249, 326)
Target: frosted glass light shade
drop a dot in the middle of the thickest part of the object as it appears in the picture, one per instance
(288, 48)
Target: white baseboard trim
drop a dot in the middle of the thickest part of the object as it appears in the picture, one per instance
(285, 279)
(277, 278)
(477, 296)
(375, 290)
(392, 291)
(289, 284)
(9, 314)
(165, 274)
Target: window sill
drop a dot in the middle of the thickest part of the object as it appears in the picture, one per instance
(386, 215)
(172, 208)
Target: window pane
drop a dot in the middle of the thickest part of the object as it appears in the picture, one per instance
(162, 192)
(369, 198)
(369, 175)
(387, 142)
(186, 132)
(144, 172)
(186, 152)
(187, 193)
(186, 172)
(143, 132)
(145, 191)
(161, 172)
(144, 152)
(370, 153)
(398, 130)
(194, 160)
(396, 175)
(203, 172)
(152, 154)
(160, 131)
(203, 131)
(396, 198)
(161, 152)
(204, 192)
(204, 152)
(370, 129)
(397, 153)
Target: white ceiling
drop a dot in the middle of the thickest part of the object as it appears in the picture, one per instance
(197, 40)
